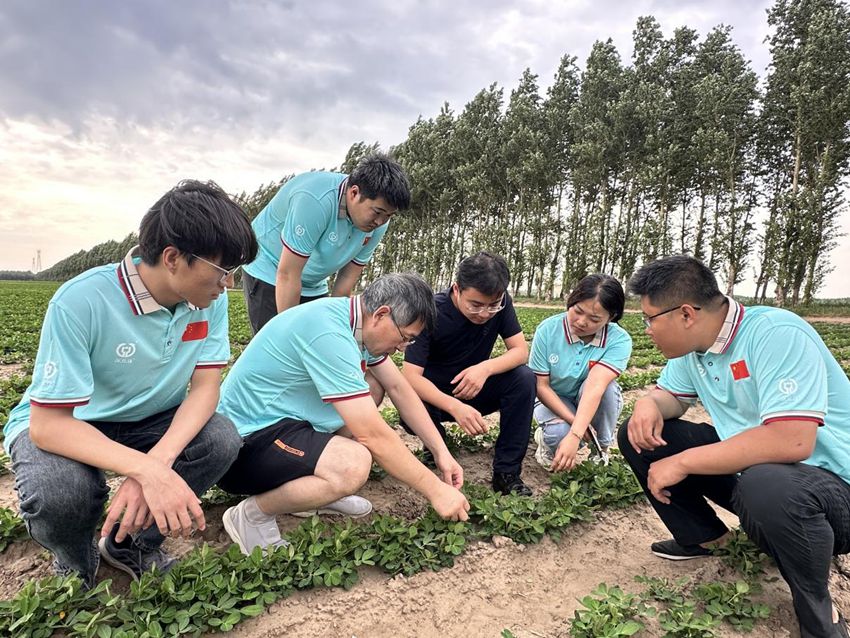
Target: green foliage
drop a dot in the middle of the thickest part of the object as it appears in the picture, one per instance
(607, 612)
(12, 528)
(740, 553)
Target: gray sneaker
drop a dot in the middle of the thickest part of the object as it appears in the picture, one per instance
(543, 455)
(248, 534)
(130, 558)
(352, 506)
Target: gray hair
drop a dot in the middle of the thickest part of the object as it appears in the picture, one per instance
(409, 296)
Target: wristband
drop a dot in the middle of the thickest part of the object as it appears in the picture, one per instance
(575, 435)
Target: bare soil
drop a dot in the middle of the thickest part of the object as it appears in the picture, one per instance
(531, 590)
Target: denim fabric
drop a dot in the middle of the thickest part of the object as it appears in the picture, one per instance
(62, 500)
(604, 422)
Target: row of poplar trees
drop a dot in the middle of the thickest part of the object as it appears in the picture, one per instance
(683, 150)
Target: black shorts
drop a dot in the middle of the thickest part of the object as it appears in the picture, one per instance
(260, 301)
(270, 457)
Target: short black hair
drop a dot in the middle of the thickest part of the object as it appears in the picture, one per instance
(606, 288)
(378, 175)
(198, 218)
(486, 272)
(675, 280)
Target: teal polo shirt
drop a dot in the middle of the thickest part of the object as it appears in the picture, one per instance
(308, 217)
(766, 365)
(566, 359)
(112, 353)
(302, 362)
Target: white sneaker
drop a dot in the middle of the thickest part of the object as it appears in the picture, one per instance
(543, 455)
(248, 534)
(353, 506)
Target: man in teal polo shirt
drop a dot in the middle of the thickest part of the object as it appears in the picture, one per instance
(778, 453)
(119, 346)
(317, 225)
(299, 397)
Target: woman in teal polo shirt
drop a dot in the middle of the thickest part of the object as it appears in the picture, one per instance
(577, 355)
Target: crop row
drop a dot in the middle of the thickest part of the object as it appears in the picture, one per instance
(209, 590)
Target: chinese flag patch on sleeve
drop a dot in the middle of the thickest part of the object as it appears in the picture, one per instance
(196, 330)
(739, 370)
(366, 240)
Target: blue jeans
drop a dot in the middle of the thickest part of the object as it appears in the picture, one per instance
(604, 422)
(62, 499)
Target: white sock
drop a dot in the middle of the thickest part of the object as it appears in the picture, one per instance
(253, 513)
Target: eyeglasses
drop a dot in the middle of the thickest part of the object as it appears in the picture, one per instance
(404, 340)
(477, 309)
(224, 273)
(647, 321)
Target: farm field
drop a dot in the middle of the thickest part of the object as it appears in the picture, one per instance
(520, 567)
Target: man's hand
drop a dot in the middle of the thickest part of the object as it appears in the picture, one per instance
(450, 504)
(565, 455)
(470, 381)
(450, 470)
(172, 504)
(130, 500)
(663, 474)
(469, 419)
(645, 426)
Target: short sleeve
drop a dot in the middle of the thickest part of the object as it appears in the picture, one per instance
(216, 350)
(538, 361)
(62, 375)
(334, 365)
(417, 353)
(304, 224)
(510, 324)
(676, 379)
(616, 355)
(791, 375)
(370, 245)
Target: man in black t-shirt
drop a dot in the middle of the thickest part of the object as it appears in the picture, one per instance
(452, 372)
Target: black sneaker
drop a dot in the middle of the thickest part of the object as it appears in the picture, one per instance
(129, 558)
(671, 550)
(510, 484)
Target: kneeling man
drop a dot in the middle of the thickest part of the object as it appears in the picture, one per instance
(301, 382)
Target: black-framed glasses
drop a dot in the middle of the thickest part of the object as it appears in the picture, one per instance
(404, 340)
(224, 272)
(647, 321)
(478, 309)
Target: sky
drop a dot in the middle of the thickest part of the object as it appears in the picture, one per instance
(106, 105)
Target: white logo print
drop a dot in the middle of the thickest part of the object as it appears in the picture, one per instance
(299, 230)
(788, 386)
(49, 370)
(553, 359)
(332, 238)
(125, 350)
(701, 370)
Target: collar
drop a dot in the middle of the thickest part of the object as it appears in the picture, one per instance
(140, 299)
(355, 319)
(599, 339)
(343, 205)
(731, 323)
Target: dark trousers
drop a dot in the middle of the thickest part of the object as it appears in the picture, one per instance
(797, 513)
(62, 499)
(512, 394)
(260, 301)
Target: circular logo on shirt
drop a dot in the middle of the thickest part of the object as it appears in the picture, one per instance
(125, 350)
(553, 359)
(788, 386)
(701, 370)
(299, 230)
(49, 370)
(332, 238)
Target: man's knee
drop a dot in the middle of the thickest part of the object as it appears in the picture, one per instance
(218, 443)
(67, 494)
(345, 464)
(769, 496)
(623, 437)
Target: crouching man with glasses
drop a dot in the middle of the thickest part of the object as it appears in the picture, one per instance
(300, 399)
(452, 372)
